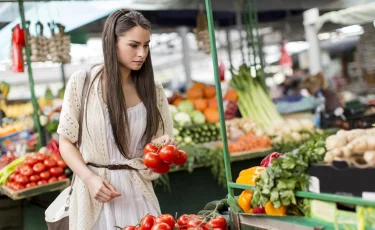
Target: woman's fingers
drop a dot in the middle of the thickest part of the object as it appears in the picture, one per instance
(113, 191)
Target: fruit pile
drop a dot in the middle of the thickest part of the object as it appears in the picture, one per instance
(38, 169)
(167, 222)
(159, 158)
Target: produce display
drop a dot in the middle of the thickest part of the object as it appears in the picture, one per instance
(159, 158)
(6, 159)
(196, 134)
(356, 146)
(254, 100)
(277, 180)
(289, 134)
(185, 221)
(34, 170)
(245, 135)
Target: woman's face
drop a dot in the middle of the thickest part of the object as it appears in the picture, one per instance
(133, 48)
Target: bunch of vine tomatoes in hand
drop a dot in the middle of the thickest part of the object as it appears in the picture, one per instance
(185, 222)
(158, 158)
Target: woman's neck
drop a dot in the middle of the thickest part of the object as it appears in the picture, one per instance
(125, 75)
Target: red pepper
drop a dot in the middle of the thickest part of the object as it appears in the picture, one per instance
(259, 210)
(268, 159)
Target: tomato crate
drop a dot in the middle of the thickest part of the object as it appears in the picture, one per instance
(34, 191)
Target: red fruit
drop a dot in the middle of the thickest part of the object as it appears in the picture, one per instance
(61, 163)
(45, 175)
(181, 158)
(31, 161)
(161, 226)
(56, 171)
(259, 210)
(23, 180)
(62, 177)
(17, 168)
(147, 222)
(166, 218)
(39, 167)
(194, 223)
(163, 168)
(168, 153)
(34, 178)
(182, 221)
(26, 170)
(130, 228)
(50, 163)
(41, 182)
(218, 222)
(12, 177)
(152, 160)
(31, 184)
(41, 157)
(150, 148)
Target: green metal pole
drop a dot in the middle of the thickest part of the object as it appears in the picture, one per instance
(251, 27)
(211, 29)
(31, 79)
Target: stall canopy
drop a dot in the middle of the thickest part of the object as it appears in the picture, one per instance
(360, 14)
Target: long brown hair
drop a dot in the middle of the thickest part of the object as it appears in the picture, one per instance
(115, 26)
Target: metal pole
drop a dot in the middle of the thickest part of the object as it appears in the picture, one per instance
(183, 31)
(211, 29)
(239, 27)
(63, 74)
(31, 79)
(309, 19)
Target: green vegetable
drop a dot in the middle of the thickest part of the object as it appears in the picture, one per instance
(254, 100)
(9, 169)
(173, 110)
(198, 117)
(185, 106)
(182, 119)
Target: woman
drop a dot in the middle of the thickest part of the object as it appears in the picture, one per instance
(314, 84)
(124, 110)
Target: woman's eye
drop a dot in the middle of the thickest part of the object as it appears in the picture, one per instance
(134, 46)
(146, 46)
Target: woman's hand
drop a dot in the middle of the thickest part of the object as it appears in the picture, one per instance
(100, 189)
(166, 140)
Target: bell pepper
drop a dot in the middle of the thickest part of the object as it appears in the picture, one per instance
(244, 201)
(249, 176)
(272, 211)
(267, 161)
(259, 210)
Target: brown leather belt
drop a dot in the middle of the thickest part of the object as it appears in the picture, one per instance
(111, 167)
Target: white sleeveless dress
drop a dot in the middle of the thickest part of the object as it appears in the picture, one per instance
(131, 206)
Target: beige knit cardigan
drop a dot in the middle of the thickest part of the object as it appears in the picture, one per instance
(84, 209)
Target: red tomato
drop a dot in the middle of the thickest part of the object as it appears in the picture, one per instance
(12, 177)
(52, 179)
(34, 178)
(23, 180)
(147, 222)
(39, 167)
(50, 163)
(56, 171)
(17, 186)
(218, 222)
(26, 170)
(152, 160)
(31, 184)
(17, 168)
(130, 228)
(166, 218)
(62, 177)
(181, 158)
(168, 153)
(41, 182)
(55, 157)
(41, 157)
(45, 175)
(31, 161)
(182, 221)
(61, 163)
(150, 148)
(161, 226)
(162, 168)
(194, 223)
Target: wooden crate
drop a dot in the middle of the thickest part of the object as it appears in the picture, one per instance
(37, 190)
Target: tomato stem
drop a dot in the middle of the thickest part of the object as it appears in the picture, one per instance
(118, 227)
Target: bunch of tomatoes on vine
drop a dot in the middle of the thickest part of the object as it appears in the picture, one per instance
(184, 222)
(159, 158)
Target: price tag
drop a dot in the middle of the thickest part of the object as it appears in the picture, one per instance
(314, 185)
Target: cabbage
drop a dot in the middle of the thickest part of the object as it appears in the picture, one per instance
(198, 117)
(182, 119)
(185, 106)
